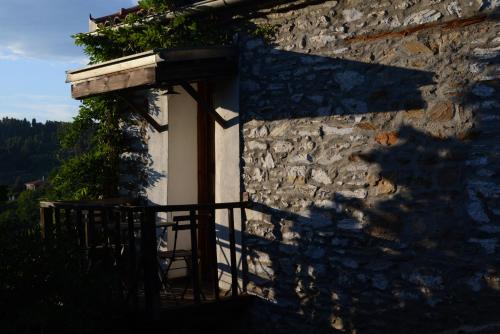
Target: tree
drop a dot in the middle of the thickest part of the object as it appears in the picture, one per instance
(4, 194)
(28, 150)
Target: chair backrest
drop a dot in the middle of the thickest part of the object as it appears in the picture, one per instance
(183, 223)
(187, 218)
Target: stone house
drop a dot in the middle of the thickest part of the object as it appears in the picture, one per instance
(366, 135)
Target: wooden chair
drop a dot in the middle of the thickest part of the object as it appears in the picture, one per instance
(181, 223)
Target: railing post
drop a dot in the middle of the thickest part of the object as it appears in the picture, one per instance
(80, 228)
(105, 231)
(132, 258)
(67, 221)
(151, 279)
(232, 251)
(91, 235)
(58, 222)
(213, 249)
(194, 256)
(117, 220)
(46, 223)
(244, 263)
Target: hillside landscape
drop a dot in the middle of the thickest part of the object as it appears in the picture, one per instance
(28, 150)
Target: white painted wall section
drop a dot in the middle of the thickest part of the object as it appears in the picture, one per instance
(227, 175)
(182, 161)
(157, 143)
(173, 156)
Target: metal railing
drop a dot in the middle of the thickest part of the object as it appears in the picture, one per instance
(120, 234)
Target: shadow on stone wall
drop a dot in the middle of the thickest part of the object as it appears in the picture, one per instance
(412, 262)
(412, 246)
(323, 86)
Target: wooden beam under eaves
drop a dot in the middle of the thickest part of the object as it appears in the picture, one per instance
(114, 82)
(153, 69)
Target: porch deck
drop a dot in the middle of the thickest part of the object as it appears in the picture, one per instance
(122, 238)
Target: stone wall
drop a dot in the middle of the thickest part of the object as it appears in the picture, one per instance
(371, 145)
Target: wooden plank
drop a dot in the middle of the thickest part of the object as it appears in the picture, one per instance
(114, 82)
(96, 205)
(169, 66)
(189, 207)
(86, 204)
(152, 57)
(148, 76)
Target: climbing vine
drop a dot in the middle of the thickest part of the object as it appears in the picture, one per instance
(95, 141)
(149, 29)
(91, 147)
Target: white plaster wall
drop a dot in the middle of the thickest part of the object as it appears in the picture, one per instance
(227, 174)
(183, 149)
(174, 155)
(157, 143)
(182, 162)
(183, 153)
(173, 159)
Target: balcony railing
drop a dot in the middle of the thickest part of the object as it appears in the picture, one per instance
(125, 237)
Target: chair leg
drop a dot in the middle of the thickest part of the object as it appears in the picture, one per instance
(164, 282)
(189, 275)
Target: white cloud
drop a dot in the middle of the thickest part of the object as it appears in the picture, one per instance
(42, 29)
(35, 49)
(41, 107)
(7, 53)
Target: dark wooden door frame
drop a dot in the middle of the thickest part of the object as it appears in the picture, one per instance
(206, 179)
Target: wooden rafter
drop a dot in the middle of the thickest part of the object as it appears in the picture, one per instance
(158, 127)
(204, 104)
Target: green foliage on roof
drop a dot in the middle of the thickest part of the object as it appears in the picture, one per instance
(150, 30)
(92, 170)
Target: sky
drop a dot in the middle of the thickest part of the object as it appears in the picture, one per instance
(36, 50)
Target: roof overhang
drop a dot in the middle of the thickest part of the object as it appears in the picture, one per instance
(157, 68)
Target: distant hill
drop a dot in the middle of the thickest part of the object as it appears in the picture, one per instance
(28, 150)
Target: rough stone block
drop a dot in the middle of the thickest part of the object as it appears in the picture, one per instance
(442, 111)
(387, 138)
